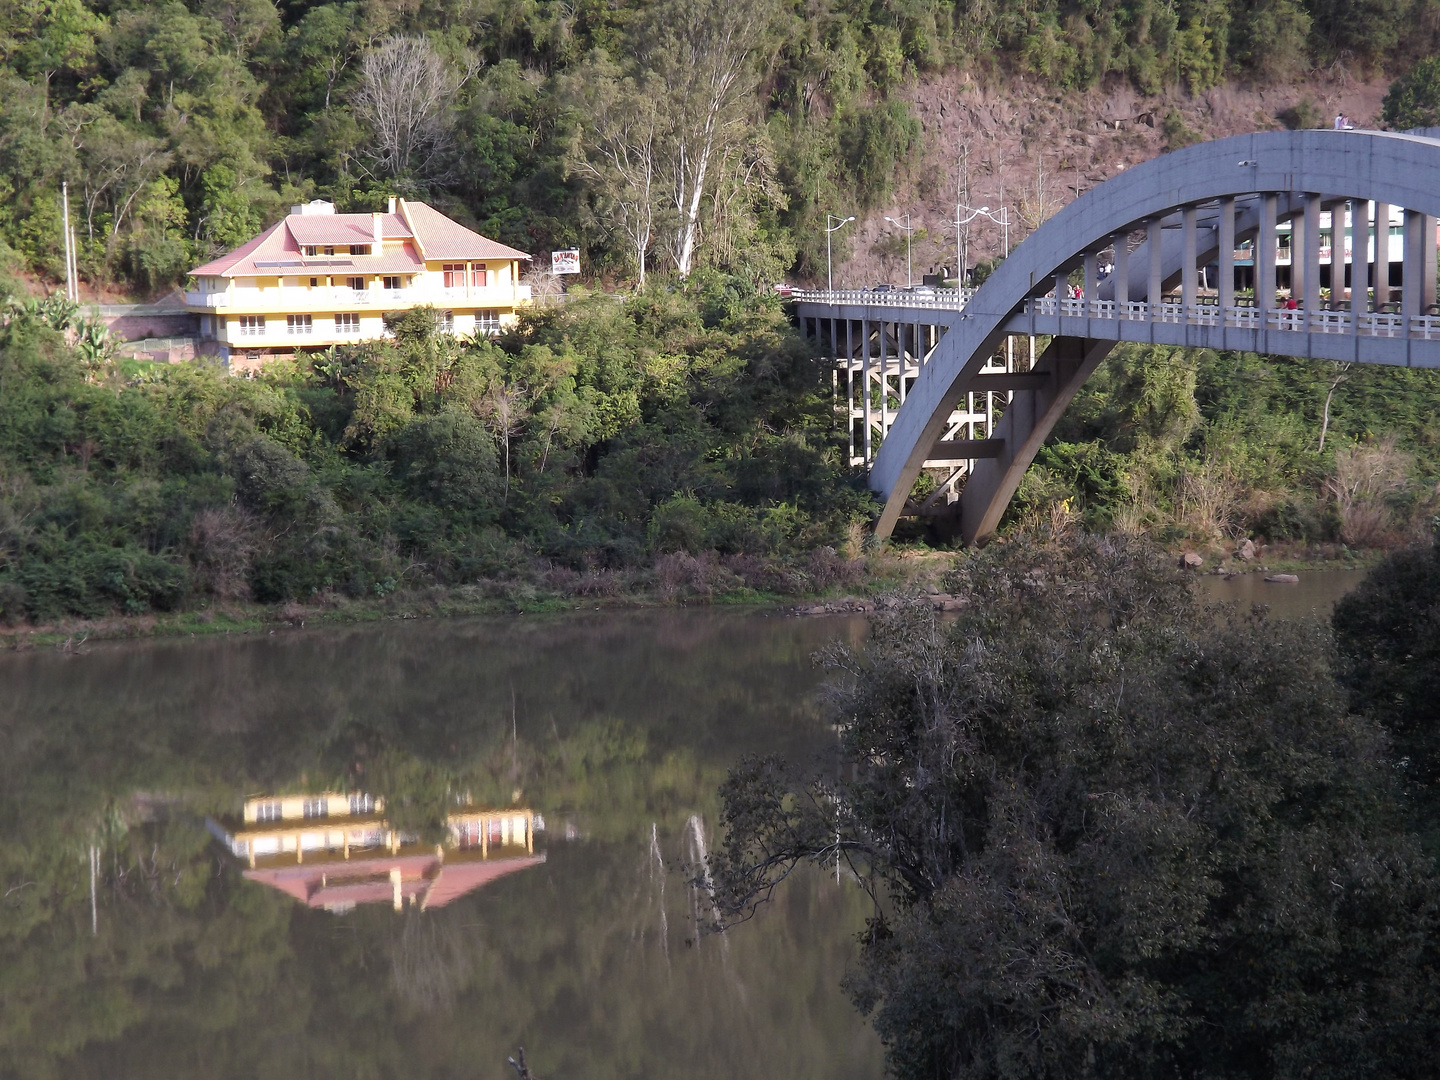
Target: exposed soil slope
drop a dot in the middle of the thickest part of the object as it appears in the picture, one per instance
(1033, 150)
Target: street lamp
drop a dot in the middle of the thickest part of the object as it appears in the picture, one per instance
(829, 267)
(909, 229)
(964, 215)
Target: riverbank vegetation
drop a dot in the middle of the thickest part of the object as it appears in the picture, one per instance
(1200, 449)
(669, 135)
(1108, 834)
(677, 446)
(685, 435)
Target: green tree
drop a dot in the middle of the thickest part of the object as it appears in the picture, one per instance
(1413, 100)
(1388, 633)
(1107, 836)
(63, 39)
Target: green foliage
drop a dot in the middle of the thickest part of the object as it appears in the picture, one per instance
(414, 459)
(183, 129)
(1304, 114)
(1413, 100)
(1177, 133)
(1209, 446)
(1108, 835)
(1388, 633)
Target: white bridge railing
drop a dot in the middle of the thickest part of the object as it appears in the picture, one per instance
(1366, 324)
(924, 297)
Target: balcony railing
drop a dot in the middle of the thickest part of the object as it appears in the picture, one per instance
(300, 299)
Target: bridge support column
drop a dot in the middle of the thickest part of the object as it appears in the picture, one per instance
(1359, 261)
(865, 381)
(1226, 257)
(1297, 254)
(1189, 276)
(1414, 272)
(884, 383)
(1067, 363)
(1121, 273)
(1312, 258)
(1265, 259)
(1092, 280)
(1155, 240)
(1382, 255)
(1427, 264)
(1337, 207)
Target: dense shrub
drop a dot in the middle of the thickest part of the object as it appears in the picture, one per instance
(596, 436)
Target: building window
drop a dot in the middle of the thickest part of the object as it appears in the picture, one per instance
(316, 806)
(362, 804)
(252, 325)
(391, 283)
(268, 811)
(454, 275)
(477, 277)
(445, 322)
(311, 250)
(356, 283)
(299, 324)
(347, 322)
(329, 249)
(314, 281)
(359, 249)
(487, 321)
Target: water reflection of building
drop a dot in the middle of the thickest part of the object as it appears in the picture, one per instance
(334, 851)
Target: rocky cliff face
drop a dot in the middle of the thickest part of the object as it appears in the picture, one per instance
(1032, 150)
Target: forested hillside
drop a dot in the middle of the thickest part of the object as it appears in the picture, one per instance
(683, 437)
(661, 135)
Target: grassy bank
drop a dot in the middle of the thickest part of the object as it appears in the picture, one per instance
(685, 582)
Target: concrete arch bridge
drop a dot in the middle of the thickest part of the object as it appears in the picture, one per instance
(948, 380)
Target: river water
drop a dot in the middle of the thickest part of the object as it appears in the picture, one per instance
(616, 730)
(1315, 594)
(583, 942)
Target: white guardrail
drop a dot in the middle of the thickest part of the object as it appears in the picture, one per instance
(925, 297)
(1370, 324)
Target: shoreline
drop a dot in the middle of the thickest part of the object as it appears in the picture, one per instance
(895, 570)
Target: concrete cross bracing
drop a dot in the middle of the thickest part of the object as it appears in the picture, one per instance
(947, 381)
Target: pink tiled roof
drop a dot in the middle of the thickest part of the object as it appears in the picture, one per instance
(276, 252)
(266, 241)
(345, 228)
(441, 238)
(280, 249)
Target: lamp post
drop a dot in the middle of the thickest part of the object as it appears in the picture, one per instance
(909, 229)
(829, 266)
(965, 214)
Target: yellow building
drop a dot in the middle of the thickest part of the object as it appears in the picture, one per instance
(318, 278)
(333, 851)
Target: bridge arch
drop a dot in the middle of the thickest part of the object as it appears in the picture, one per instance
(1192, 208)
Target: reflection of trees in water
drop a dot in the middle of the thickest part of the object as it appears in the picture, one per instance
(625, 725)
(431, 960)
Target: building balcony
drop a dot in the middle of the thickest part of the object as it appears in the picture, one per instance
(298, 300)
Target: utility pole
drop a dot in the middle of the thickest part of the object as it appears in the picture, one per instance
(962, 238)
(829, 264)
(72, 287)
